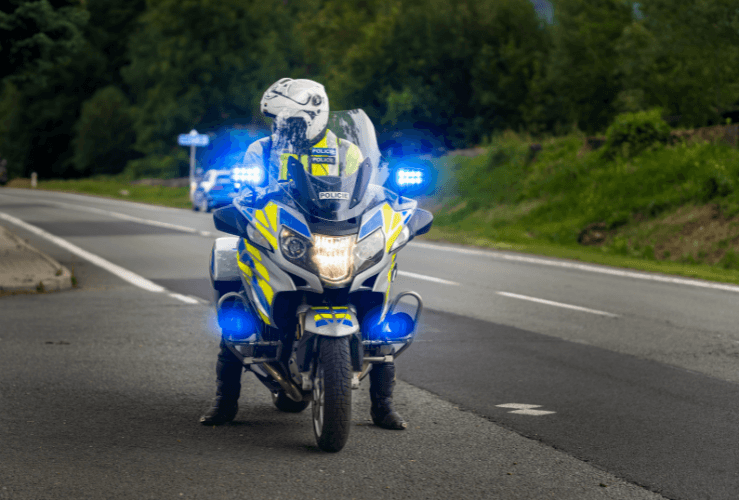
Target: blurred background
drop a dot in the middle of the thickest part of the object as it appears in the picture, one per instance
(534, 114)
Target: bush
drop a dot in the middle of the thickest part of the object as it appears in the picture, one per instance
(633, 133)
(154, 166)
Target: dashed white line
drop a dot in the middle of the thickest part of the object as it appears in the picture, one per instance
(581, 267)
(115, 269)
(524, 409)
(118, 215)
(557, 304)
(427, 278)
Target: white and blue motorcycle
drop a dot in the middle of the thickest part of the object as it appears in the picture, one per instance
(303, 289)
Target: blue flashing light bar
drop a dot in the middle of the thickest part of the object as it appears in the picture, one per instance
(409, 177)
(253, 175)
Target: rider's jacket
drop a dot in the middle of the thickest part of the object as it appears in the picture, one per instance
(325, 157)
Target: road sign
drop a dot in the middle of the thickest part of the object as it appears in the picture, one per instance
(194, 140)
(191, 139)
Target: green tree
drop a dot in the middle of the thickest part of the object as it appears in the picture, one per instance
(45, 64)
(205, 63)
(684, 57)
(458, 68)
(582, 69)
(104, 137)
(38, 37)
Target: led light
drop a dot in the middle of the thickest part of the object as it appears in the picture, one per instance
(409, 177)
(253, 175)
(333, 257)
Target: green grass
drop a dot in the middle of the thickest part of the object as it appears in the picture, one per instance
(109, 187)
(588, 255)
(507, 199)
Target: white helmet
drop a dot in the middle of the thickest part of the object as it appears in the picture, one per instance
(298, 99)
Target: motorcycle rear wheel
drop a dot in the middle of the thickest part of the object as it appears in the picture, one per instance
(332, 394)
(284, 403)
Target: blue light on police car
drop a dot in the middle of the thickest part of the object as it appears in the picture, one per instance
(409, 177)
(254, 175)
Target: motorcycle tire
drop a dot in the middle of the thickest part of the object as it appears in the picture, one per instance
(284, 403)
(332, 394)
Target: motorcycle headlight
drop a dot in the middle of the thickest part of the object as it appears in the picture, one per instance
(333, 257)
(295, 248)
(369, 251)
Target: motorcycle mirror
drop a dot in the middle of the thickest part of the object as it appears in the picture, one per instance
(230, 220)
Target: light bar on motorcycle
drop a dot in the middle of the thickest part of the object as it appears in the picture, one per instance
(405, 177)
(252, 175)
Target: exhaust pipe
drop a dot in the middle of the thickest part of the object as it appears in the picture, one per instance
(291, 390)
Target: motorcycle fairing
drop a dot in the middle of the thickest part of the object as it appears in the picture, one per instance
(263, 279)
(331, 321)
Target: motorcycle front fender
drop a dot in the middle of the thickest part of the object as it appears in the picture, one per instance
(331, 321)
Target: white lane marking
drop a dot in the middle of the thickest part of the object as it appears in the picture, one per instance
(557, 304)
(523, 409)
(427, 278)
(118, 215)
(185, 298)
(115, 269)
(582, 267)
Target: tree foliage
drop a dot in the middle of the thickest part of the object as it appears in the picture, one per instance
(684, 57)
(203, 63)
(462, 69)
(83, 83)
(104, 138)
(38, 36)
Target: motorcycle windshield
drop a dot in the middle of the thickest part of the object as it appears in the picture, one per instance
(333, 184)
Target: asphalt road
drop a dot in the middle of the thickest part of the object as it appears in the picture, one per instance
(624, 384)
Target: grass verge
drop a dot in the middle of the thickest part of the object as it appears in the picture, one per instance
(177, 197)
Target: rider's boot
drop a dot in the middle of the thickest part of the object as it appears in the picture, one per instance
(382, 383)
(228, 386)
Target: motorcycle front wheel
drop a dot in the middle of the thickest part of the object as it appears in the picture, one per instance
(332, 394)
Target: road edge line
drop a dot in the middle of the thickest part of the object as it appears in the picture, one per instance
(115, 269)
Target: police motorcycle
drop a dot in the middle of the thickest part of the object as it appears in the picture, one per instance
(303, 289)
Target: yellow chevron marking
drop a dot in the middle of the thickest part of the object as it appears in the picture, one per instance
(271, 211)
(262, 271)
(269, 294)
(267, 234)
(246, 269)
(396, 219)
(253, 250)
(387, 216)
(389, 275)
(261, 218)
(330, 316)
(391, 239)
(264, 317)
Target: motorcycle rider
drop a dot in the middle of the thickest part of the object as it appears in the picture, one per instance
(300, 111)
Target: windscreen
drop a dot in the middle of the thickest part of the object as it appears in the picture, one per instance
(334, 182)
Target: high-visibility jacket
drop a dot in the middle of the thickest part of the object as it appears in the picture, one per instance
(325, 157)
